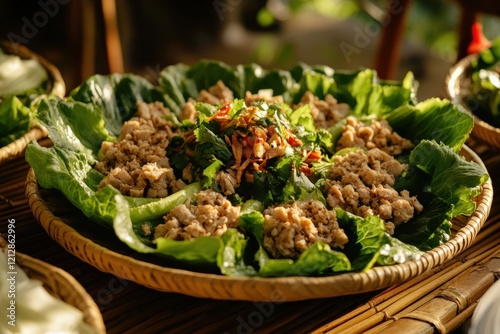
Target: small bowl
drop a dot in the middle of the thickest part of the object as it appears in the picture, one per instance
(457, 86)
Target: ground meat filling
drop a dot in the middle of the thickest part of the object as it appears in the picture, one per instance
(262, 95)
(361, 183)
(378, 134)
(211, 215)
(292, 228)
(216, 94)
(325, 112)
(137, 164)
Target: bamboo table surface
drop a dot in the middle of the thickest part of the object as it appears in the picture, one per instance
(453, 288)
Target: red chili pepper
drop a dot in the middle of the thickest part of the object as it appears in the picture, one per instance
(479, 41)
(313, 156)
(225, 109)
(249, 141)
(294, 141)
(306, 170)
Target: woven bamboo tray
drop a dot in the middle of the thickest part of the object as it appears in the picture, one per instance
(457, 87)
(56, 86)
(62, 286)
(100, 248)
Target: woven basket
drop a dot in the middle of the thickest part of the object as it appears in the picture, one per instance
(67, 226)
(457, 87)
(56, 86)
(62, 286)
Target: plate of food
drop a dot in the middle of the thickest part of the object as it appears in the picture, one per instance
(33, 285)
(474, 82)
(24, 76)
(236, 182)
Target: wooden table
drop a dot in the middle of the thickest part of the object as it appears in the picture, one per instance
(130, 308)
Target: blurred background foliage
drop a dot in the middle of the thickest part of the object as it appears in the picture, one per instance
(273, 33)
(432, 23)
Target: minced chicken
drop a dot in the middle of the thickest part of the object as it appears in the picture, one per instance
(292, 228)
(211, 215)
(378, 134)
(361, 183)
(137, 164)
(325, 112)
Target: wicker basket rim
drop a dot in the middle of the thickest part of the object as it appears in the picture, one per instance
(56, 87)
(254, 288)
(482, 129)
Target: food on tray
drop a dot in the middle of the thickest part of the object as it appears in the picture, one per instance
(29, 308)
(21, 80)
(483, 98)
(261, 173)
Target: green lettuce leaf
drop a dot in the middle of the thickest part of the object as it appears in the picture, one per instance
(74, 125)
(366, 237)
(71, 173)
(116, 96)
(367, 95)
(420, 231)
(316, 260)
(433, 119)
(226, 252)
(453, 179)
(394, 251)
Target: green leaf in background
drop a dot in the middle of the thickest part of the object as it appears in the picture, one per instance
(206, 74)
(367, 95)
(317, 83)
(279, 81)
(15, 119)
(116, 95)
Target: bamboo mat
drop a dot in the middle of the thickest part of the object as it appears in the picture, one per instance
(438, 301)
